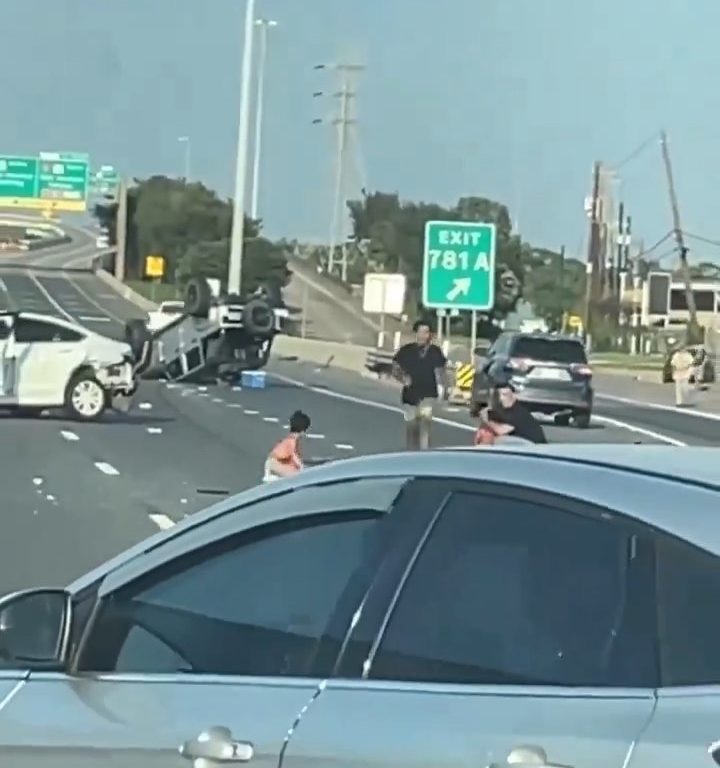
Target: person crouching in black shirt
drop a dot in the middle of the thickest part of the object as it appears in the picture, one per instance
(420, 365)
(509, 410)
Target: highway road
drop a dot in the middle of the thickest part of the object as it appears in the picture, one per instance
(75, 494)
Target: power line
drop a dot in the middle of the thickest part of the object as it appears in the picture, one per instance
(637, 151)
(701, 239)
(653, 248)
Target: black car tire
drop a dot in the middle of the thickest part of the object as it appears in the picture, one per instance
(582, 419)
(198, 297)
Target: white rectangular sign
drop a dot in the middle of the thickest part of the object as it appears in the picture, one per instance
(384, 294)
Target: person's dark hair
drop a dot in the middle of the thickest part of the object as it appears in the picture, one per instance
(299, 422)
(418, 324)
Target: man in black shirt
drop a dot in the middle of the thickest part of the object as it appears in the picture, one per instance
(509, 410)
(420, 365)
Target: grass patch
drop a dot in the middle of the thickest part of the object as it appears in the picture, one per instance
(154, 291)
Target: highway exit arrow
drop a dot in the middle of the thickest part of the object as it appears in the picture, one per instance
(461, 287)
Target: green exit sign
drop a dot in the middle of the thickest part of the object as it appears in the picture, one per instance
(459, 265)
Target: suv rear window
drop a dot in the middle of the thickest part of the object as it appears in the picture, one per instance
(555, 351)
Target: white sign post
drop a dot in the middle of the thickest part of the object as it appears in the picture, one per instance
(384, 294)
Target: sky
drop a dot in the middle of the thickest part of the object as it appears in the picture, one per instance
(508, 99)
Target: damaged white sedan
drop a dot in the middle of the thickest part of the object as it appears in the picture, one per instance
(48, 362)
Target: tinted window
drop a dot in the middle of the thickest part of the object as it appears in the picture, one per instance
(688, 615)
(514, 592)
(552, 350)
(502, 344)
(257, 604)
(27, 330)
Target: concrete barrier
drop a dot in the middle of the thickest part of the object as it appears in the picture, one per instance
(125, 291)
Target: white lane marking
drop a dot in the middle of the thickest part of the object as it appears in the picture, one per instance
(344, 447)
(237, 389)
(202, 389)
(252, 413)
(50, 497)
(163, 522)
(93, 319)
(271, 419)
(638, 430)
(217, 400)
(234, 405)
(110, 315)
(660, 407)
(154, 431)
(145, 406)
(452, 409)
(105, 468)
(68, 435)
(466, 427)
(183, 501)
(47, 295)
(38, 481)
(315, 436)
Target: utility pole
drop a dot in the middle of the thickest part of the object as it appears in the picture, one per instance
(620, 244)
(679, 239)
(591, 267)
(238, 223)
(121, 230)
(561, 288)
(263, 25)
(342, 123)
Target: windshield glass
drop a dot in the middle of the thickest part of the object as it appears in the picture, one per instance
(556, 351)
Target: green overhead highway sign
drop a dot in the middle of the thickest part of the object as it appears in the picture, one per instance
(459, 265)
(52, 181)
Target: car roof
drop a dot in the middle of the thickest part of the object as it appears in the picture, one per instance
(546, 336)
(676, 489)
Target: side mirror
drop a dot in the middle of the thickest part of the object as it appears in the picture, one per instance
(35, 628)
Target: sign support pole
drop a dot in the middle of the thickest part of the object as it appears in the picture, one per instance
(473, 333)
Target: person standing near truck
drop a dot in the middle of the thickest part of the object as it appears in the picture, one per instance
(420, 366)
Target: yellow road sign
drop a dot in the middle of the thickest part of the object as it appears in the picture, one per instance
(154, 266)
(35, 203)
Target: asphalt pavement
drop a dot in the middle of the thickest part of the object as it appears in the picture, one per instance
(75, 494)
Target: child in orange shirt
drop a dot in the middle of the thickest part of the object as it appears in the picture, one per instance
(284, 459)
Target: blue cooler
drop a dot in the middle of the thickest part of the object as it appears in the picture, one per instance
(253, 379)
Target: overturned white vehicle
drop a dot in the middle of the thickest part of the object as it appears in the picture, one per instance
(48, 362)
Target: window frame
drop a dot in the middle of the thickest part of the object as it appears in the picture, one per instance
(509, 492)
(217, 533)
(50, 324)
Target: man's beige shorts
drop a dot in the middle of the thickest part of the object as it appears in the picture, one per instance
(423, 410)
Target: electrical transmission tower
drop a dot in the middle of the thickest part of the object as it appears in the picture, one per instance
(346, 154)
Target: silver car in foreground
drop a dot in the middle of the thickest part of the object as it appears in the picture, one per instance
(543, 606)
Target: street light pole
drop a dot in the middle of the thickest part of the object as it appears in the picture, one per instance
(186, 141)
(264, 25)
(238, 223)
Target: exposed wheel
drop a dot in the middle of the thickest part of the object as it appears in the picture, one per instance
(258, 317)
(561, 419)
(582, 419)
(198, 297)
(137, 336)
(85, 398)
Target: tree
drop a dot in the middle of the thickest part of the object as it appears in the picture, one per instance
(554, 285)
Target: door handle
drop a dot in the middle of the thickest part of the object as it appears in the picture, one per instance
(528, 756)
(216, 745)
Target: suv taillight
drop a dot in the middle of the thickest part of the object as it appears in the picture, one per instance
(582, 369)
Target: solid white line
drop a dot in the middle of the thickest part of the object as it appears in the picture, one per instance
(457, 425)
(163, 522)
(638, 430)
(70, 436)
(91, 300)
(52, 301)
(660, 407)
(105, 468)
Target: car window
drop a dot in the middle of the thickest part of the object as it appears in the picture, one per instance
(511, 591)
(33, 331)
(551, 350)
(5, 327)
(688, 615)
(502, 344)
(258, 603)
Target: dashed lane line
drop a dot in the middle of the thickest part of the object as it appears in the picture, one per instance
(271, 419)
(71, 437)
(163, 522)
(105, 468)
(154, 430)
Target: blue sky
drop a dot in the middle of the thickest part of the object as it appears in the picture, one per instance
(511, 99)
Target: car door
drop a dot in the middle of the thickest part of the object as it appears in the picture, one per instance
(522, 633)
(685, 729)
(7, 360)
(215, 645)
(46, 354)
